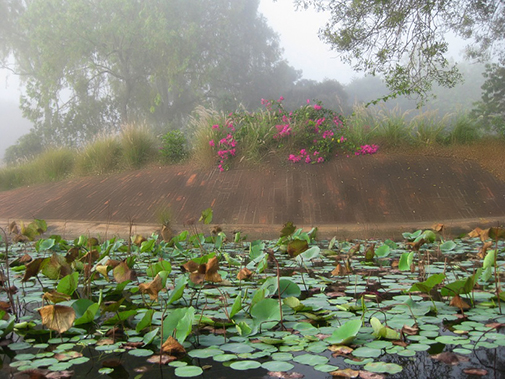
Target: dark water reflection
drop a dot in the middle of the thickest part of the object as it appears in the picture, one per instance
(421, 366)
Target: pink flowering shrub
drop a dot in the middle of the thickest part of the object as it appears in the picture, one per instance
(311, 134)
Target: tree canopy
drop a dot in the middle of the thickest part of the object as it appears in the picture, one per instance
(92, 66)
(405, 41)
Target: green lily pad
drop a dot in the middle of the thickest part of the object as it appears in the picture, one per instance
(140, 352)
(245, 365)
(277, 366)
(310, 359)
(188, 371)
(383, 367)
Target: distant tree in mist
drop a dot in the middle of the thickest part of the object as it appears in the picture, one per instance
(461, 98)
(406, 43)
(92, 66)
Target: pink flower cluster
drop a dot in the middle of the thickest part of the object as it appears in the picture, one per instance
(306, 157)
(367, 150)
(226, 146)
(282, 131)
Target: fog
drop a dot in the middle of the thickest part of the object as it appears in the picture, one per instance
(298, 37)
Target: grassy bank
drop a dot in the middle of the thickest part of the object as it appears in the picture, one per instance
(310, 134)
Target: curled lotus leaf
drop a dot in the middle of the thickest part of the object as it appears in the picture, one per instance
(59, 318)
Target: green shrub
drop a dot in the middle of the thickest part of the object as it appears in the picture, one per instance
(174, 147)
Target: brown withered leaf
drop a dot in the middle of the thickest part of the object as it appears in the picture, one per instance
(33, 374)
(123, 273)
(340, 350)
(285, 375)
(438, 227)
(172, 346)
(20, 238)
(90, 256)
(32, 269)
(475, 371)
(410, 330)
(152, 288)
(55, 296)
(25, 259)
(138, 239)
(163, 359)
(65, 374)
(166, 233)
(346, 373)
(496, 233)
(66, 356)
(113, 263)
(211, 274)
(14, 228)
(59, 318)
(244, 273)
(483, 234)
(450, 358)
(495, 325)
(354, 249)
(72, 254)
(190, 266)
(339, 270)
(370, 375)
(417, 244)
(483, 249)
(203, 272)
(457, 301)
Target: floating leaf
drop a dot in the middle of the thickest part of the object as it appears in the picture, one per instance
(277, 366)
(383, 367)
(345, 373)
(245, 365)
(188, 371)
(57, 317)
(450, 358)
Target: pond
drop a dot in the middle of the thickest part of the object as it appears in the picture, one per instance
(205, 306)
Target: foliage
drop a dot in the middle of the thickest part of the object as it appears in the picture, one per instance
(26, 148)
(194, 297)
(173, 147)
(90, 68)
(310, 133)
(490, 111)
(406, 42)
